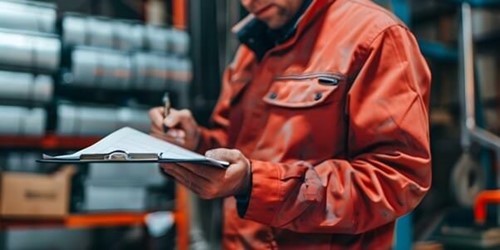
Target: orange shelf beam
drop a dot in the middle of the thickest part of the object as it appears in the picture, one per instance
(182, 217)
(104, 220)
(77, 221)
(52, 141)
(19, 142)
(48, 142)
(93, 220)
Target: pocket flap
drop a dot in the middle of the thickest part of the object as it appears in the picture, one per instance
(303, 91)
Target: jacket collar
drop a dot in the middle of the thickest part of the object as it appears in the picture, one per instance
(259, 38)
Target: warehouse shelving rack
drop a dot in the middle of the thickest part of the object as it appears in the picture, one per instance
(471, 108)
(52, 142)
(91, 220)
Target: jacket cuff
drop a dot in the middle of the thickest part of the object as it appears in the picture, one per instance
(265, 193)
(242, 200)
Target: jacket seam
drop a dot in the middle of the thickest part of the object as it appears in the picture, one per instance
(407, 78)
(399, 57)
(382, 9)
(383, 31)
(279, 190)
(368, 46)
(368, 49)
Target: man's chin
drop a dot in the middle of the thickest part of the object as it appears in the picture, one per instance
(273, 24)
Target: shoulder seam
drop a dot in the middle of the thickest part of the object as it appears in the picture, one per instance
(388, 13)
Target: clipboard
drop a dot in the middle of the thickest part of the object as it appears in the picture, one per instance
(130, 145)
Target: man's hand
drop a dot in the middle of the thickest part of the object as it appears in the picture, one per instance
(183, 129)
(209, 182)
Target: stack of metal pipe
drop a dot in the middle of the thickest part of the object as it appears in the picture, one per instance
(30, 55)
(86, 120)
(118, 54)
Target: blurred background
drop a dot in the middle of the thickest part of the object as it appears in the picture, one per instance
(74, 71)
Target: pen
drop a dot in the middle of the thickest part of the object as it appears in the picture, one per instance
(166, 108)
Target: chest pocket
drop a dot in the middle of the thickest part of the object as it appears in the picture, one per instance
(302, 91)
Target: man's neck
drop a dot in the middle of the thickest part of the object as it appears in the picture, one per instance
(283, 33)
(257, 36)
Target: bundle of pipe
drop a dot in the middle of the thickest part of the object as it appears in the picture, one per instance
(155, 71)
(25, 87)
(22, 121)
(112, 69)
(122, 35)
(35, 52)
(28, 16)
(102, 68)
(98, 121)
(101, 32)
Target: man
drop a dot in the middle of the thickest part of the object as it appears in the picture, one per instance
(324, 118)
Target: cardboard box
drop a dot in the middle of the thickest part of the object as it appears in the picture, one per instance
(35, 195)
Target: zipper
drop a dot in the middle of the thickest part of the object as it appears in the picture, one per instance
(323, 78)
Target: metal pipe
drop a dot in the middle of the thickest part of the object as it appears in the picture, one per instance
(485, 138)
(469, 128)
(25, 87)
(98, 120)
(102, 68)
(22, 121)
(158, 71)
(40, 53)
(467, 77)
(29, 16)
(124, 35)
(102, 32)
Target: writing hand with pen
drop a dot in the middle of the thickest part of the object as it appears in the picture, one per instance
(175, 126)
(180, 127)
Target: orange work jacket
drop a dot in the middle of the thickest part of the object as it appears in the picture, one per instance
(335, 123)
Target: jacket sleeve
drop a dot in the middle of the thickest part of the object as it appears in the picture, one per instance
(387, 170)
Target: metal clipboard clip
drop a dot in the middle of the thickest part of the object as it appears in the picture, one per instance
(118, 155)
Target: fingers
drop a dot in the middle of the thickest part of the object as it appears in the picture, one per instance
(237, 174)
(209, 182)
(156, 117)
(182, 177)
(184, 118)
(176, 133)
(187, 134)
(187, 178)
(195, 170)
(175, 118)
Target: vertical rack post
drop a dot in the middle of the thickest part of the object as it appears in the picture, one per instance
(179, 19)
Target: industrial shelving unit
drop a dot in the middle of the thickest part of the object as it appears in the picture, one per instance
(90, 220)
(55, 142)
(450, 51)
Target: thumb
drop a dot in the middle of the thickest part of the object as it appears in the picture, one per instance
(224, 154)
